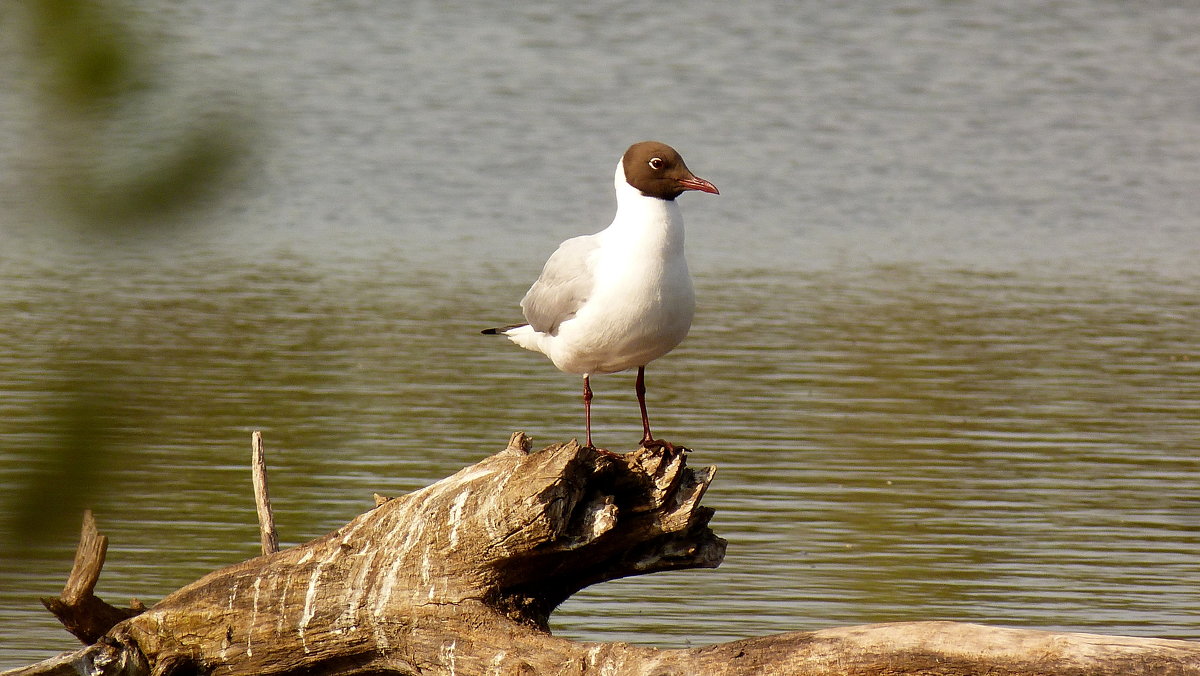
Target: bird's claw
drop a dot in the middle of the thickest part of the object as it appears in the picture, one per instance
(665, 445)
(604, 451)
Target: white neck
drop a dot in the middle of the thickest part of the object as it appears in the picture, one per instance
(655, 222)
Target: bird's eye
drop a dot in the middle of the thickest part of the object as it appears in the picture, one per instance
(656, 163)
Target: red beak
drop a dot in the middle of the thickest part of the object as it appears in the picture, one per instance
(696, 183)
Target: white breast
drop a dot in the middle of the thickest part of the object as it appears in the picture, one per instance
(642, 303)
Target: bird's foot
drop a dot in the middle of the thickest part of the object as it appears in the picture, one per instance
(604, 451)
(651, 443)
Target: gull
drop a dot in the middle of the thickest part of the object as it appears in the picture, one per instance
(621, 297)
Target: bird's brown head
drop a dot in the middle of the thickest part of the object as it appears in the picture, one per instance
(656, 170)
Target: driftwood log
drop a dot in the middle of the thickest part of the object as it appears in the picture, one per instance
(461, 578)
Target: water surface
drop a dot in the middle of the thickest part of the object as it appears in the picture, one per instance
(945, 356)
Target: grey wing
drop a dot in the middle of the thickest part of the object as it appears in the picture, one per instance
(564, 285)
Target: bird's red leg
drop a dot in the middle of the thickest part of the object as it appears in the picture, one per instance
(587, 409)
(648, 440)
(640, 388)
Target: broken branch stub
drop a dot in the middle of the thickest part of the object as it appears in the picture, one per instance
(268, 536)
(81, 612)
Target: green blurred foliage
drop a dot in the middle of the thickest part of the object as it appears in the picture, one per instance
(62, 482)
(121, 152)
(115, 153)
(88, 56)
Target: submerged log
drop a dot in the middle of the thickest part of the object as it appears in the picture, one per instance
(461, 578)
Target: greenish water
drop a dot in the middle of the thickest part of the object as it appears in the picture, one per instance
(892, 443)
(945, 354)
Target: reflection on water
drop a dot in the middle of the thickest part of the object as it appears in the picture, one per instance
(893, 442)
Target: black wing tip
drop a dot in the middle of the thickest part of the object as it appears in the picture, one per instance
(500, 329)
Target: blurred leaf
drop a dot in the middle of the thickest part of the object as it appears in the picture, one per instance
(88, 53)
(159, 188)
(69, 475)
(119, 147)
(124, 147)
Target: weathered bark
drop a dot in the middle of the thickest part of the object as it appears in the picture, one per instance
(77, 607)
(461, 577)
